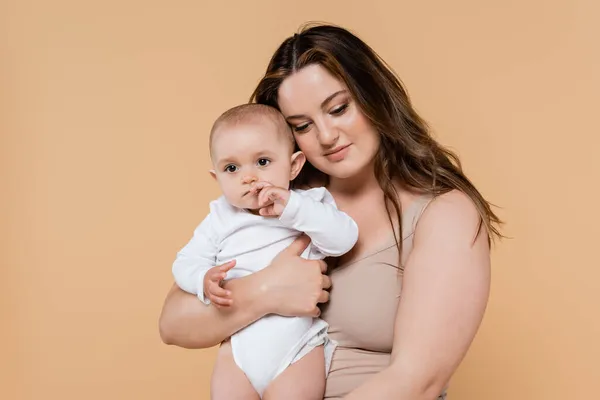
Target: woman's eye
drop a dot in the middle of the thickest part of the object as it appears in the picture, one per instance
(339, 110)
(230, 168)
(263, 162)
(300, 128)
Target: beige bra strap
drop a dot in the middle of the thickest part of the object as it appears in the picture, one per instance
(409, 223)
(413, 213)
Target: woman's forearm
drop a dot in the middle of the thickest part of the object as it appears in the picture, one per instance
(393, 384)
(186, 322)
(290, 286)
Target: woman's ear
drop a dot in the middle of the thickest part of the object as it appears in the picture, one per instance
(298, 160)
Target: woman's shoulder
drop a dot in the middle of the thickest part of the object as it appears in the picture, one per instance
(454, 201)
(452, 215)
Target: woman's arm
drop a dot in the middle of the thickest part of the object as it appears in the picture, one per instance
(444, 295)
(187, 322)
(290, 286)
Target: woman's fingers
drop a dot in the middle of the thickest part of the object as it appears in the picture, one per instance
(298, 246)
(297, 285)
(323, 297)
(316, 312)
(323, 266)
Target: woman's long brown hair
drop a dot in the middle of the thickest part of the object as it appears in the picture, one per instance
(408, 154)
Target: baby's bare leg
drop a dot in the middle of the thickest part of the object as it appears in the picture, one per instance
(228, 382)
(303, 380)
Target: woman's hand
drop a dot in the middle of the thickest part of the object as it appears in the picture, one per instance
(291, 285)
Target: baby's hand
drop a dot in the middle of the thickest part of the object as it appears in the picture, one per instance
(212, 285)
(271, 199)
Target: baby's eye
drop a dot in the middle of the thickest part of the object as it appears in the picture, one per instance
(263, 162)
(230, 168)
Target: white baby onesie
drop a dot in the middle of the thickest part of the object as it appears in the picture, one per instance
(266, 347)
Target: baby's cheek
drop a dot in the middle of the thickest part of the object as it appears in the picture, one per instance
(282, 178)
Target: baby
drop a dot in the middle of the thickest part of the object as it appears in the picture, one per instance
(257, 216)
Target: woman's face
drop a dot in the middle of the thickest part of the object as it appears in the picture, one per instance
(328, 125)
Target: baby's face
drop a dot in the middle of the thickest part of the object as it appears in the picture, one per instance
(249, 152)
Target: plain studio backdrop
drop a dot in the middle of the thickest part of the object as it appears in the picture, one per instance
(105, 113)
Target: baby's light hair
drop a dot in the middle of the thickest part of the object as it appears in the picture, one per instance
(252, 112)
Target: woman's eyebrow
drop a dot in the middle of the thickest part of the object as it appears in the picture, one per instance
(331, 97)
(323, 104)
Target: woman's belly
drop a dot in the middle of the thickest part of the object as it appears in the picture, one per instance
(361, 312)
(350, 368)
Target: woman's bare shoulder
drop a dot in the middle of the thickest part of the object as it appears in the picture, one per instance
(452, 215)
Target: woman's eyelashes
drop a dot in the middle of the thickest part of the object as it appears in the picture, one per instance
(301, 128)
(339, 109)
(335, 111)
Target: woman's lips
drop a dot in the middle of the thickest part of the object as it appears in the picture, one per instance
(338, 154)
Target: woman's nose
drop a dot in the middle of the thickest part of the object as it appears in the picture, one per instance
(328, 136)
(249, 179)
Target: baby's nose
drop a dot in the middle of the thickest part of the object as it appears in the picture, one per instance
(249, 179)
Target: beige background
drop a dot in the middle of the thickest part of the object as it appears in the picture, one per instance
(105, 110)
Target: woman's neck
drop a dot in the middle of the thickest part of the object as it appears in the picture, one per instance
(365, 184)
(360, 184)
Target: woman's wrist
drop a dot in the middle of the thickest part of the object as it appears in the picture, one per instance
(251, 293)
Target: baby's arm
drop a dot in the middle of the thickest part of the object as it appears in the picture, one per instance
(195, 259)
(332, 232)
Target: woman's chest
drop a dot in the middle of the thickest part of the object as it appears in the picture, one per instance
(363, 302)
(375, 232)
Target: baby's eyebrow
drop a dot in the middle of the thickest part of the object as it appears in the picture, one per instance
(269, 153)
(228, 160)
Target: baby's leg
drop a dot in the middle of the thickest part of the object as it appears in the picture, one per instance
(303, 380)
(228, 382)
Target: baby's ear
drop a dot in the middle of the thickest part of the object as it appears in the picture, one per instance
(213, 174)
(298, 160)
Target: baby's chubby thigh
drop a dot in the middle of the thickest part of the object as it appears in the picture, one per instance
(228, 382)
(303, 380)
(266, 347)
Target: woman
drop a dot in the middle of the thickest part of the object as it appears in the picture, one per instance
(406, 302)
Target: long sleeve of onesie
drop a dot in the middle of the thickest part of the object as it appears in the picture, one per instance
(332, 232)
(195, 259)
